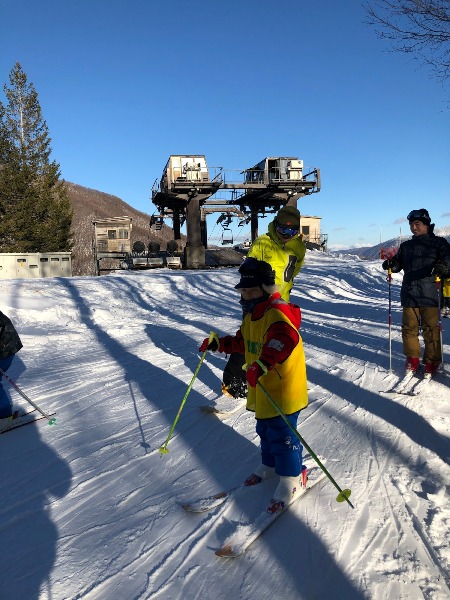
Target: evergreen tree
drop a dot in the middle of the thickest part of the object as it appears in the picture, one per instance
(35, 210)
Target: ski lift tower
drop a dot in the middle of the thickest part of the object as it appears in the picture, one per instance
(185, 185)
(272, 183)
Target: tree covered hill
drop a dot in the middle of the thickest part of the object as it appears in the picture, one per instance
(91, 205)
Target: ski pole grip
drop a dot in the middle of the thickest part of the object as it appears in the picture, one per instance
(246, 367)
(213, 336)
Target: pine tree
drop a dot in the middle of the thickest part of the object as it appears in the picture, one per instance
(35, 210)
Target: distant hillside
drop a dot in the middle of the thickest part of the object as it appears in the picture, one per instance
(91, 205)
(373, 252)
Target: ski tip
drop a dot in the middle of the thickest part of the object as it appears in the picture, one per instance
(209, 408)
(191, 508)
(225, 551)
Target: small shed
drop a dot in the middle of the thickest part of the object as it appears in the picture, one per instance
(112, 240)
(31, 265)
(113, 235)
(310, 229)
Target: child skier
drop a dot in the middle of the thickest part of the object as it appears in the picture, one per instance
(273, 350)
(10, 344)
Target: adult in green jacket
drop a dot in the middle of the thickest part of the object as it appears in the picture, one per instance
(284, 250)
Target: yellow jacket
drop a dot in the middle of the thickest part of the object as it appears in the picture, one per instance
(446, 287)
(286, 381)
(285, 259)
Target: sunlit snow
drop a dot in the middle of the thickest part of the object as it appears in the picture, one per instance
(91, 509)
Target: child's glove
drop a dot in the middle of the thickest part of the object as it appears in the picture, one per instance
(388, 264)
(254, 372)
(211, 344)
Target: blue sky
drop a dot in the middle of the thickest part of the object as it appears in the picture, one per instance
(125, 84)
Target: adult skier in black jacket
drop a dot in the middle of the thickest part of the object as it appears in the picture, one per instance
(422, 258)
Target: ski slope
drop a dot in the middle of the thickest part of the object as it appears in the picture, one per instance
(91, 509)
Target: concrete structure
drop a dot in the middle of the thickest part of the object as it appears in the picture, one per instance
(31, 265)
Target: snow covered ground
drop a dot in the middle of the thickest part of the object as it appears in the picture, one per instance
(91, 509)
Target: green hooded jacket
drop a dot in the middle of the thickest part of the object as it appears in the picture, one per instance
(286, 259)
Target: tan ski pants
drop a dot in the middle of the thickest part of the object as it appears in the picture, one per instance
(428, 319)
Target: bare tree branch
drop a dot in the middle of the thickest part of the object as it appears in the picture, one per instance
(417, 27)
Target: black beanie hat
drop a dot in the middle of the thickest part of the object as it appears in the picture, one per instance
(419, 215)
(289, 216)
(255, 273)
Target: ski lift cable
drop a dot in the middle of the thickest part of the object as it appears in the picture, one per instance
(220, 220)
(212, 231)
(246, 235)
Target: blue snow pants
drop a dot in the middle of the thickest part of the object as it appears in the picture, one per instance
(280, 448)
(5, 400)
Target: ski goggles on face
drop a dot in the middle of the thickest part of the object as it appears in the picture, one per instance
(286, 231)
(414, 215)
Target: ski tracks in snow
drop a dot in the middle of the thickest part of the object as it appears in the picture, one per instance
(113, 356)
(401, 519)
(395, 533)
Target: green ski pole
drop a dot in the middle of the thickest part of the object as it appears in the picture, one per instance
(163, 449)
(343, 494)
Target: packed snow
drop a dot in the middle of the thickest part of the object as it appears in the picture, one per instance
(91, 509)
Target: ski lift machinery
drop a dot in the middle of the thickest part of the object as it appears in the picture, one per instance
(187, 184)
(227, 234)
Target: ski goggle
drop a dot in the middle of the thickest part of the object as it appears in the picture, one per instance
(414, 215)
(286, 231)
